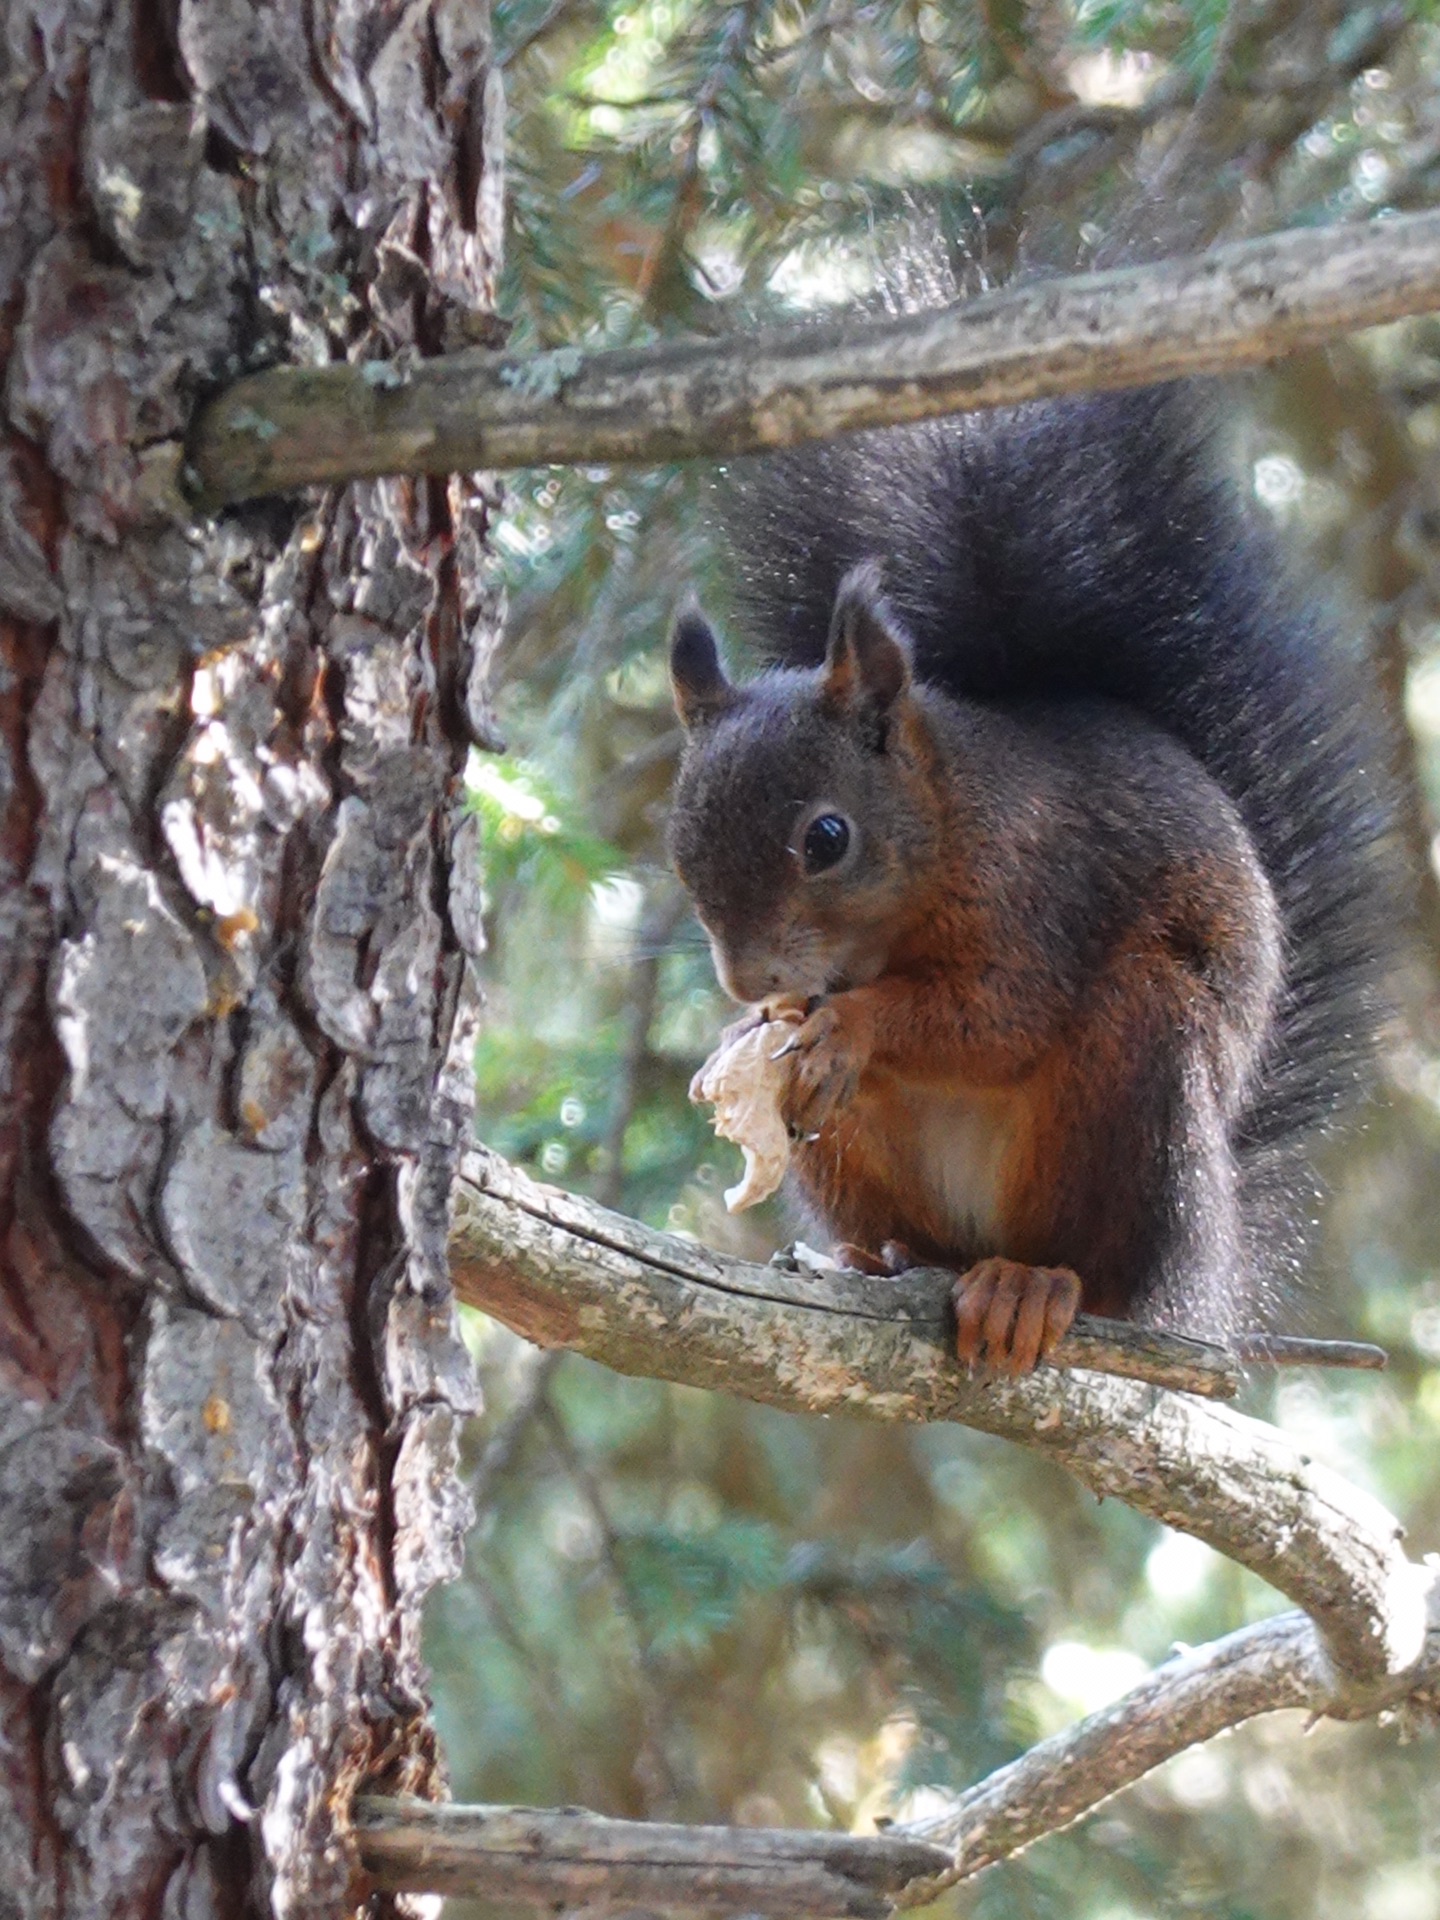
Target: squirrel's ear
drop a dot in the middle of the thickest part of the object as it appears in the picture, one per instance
(697, 678)
(867, 661)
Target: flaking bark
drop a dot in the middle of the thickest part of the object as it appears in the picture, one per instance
(237, 1013)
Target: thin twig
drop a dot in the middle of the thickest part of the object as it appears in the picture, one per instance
(664, 910)
(664, 264)
(663, 1789)
(1291, 1350)
(503, 1442)
(1183, 149)
(541, 1678)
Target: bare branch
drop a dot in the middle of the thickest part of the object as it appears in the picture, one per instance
(571, 1856)
(1277, 1663)
(1235, 306)
(566, 1855)
(566, 1273)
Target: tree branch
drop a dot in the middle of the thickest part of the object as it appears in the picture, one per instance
(566, 1273)
(1277, 1663)
(1234, 306)
(578, 1858)
(567, 1855)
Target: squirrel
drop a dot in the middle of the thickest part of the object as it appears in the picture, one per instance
(1063, 822)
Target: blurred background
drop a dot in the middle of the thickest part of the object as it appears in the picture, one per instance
(684, 1607)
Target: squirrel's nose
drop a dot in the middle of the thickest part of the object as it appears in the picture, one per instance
(745, 977)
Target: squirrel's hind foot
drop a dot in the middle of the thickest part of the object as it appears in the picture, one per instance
(893, 1258)
(1008, 1316)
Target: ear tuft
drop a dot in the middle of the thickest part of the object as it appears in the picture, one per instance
(867, 660)
(697, 678)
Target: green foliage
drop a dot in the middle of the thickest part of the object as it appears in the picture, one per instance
(680, 1605)
(688, 1587)
(566, 908)
(526, 841)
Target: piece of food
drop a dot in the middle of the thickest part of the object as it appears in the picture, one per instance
(744, 1081)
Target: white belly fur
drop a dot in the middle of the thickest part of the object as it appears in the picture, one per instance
(957, 1145)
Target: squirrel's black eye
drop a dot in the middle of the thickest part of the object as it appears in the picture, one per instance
(827, 839)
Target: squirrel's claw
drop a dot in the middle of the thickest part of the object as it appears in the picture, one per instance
(1009, 1317)
(828, 1052)
(824, 1072)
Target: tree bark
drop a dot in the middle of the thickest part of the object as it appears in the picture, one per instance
(236, 1011)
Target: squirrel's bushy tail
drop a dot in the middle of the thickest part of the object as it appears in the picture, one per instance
(1094, 547)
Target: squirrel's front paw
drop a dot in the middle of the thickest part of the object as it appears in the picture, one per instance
(778, 1011)
(826, 1053)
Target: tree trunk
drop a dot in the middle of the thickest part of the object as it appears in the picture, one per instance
(236, 1011)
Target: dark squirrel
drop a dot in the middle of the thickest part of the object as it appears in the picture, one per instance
(1065, 820)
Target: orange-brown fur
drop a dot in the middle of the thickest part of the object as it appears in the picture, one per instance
(948, 1017)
